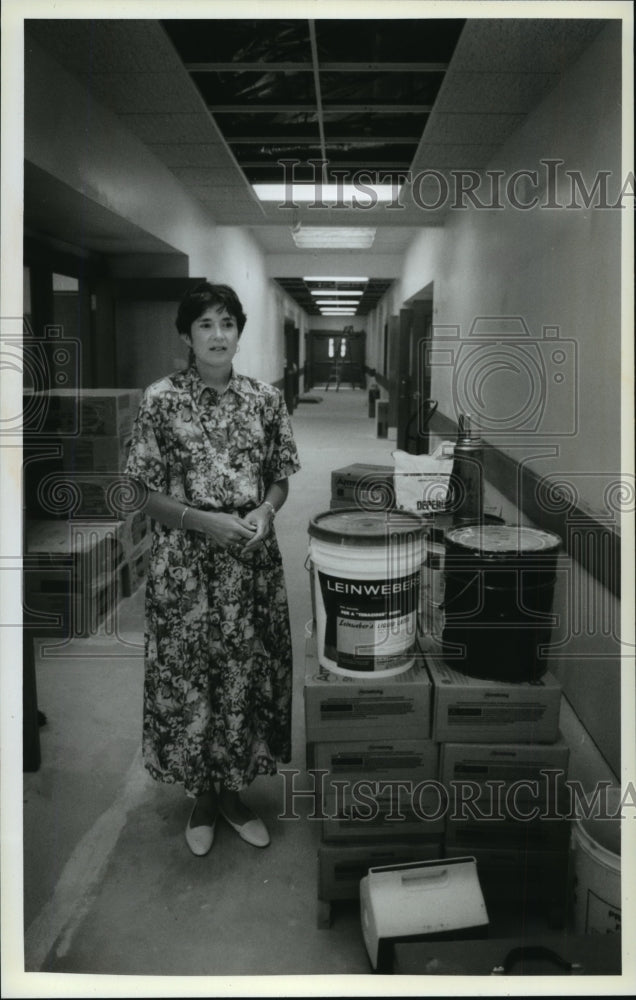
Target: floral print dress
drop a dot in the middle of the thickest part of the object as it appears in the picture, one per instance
(218, 662)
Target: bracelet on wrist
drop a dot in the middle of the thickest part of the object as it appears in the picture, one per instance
(183, 514)
(267, 503)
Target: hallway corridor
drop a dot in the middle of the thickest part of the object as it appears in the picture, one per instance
(460, 239)
(110, 886)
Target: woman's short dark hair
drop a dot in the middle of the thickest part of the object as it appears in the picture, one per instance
(195, 302)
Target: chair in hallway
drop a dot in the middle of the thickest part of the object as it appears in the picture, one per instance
(343, 371)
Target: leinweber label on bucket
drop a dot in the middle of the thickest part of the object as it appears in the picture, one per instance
(370, 624)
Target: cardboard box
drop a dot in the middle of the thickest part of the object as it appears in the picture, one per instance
(363, 485)
(341, 866)
(108, 412)
(363, 810)
(470, 709)
(540, 834)
(71, 576)
(81, 495)
(131, 532)
(338, 707)
(506, 764)
(54, 607)
(416, 759)
(134, 569)
(88, 551)
(92, 453)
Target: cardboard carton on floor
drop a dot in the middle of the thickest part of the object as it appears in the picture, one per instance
(473, 710)
(339, 707)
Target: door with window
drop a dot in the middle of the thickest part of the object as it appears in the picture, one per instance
(331, 350)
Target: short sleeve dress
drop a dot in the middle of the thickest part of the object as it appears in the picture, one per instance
(218, 661)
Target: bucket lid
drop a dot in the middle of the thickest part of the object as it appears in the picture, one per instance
(504, 538)
(364, 527)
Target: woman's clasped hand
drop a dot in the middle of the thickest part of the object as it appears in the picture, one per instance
(227, 530)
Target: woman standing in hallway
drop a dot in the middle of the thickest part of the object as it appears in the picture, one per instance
(214, 449)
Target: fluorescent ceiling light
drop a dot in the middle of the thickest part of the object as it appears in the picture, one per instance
(327, 194)
(320, 277)
(336, 302)
(334, 237)
(336, 291)
(338, 312)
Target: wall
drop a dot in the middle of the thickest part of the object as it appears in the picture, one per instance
(561, 268)
(557, 268)
(338, 323)
(78, 142)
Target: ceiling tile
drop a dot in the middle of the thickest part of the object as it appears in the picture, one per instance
(467, 128)
(186, 154)
(464, 156)
(524, 45)
(154, 128)
(487, 75)
(512, 93)
(200, 177)
(161, 92)
(106, 45)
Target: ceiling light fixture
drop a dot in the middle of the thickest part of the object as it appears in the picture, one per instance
(336, 291)
(334, 238)
(338, 312)
(340, 195)
(339, 278)
(337, 302)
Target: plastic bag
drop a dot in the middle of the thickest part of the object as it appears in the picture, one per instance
(421, 482)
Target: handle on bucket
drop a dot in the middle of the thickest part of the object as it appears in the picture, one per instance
(424, 879)
(446, 604)
(534, 952)
(430, 405)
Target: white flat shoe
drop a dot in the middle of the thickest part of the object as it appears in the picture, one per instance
(253, 831)
(199, 838)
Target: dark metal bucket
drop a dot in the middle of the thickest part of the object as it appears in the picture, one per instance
(499, 588)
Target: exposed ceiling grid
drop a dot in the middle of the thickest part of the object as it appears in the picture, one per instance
(356, 94)
(220, 102)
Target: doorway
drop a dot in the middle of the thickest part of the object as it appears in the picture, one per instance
(291, 388)
(414, 407)
(344, 350)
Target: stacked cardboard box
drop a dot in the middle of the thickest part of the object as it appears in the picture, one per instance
(133, 536)
(369, 487)
(77, 452)
(70, 576)
(85, 544)
(75, 573)
(370, 750)
(87, 412)
(504, 767)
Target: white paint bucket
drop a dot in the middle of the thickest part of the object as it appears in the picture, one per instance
(366, 580)
(597, 893)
